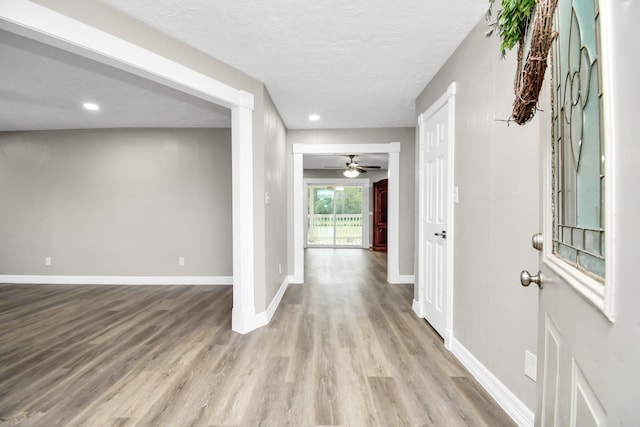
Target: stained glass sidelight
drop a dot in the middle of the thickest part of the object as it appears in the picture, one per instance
(578, 140)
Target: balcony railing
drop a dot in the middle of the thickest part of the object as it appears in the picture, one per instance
(347, 229)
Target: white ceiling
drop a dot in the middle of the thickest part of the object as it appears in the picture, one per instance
(42, 87)
(355, 63)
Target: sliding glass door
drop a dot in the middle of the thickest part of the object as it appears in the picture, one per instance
(335, 215)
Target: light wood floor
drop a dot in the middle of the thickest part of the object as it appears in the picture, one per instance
(343, 349)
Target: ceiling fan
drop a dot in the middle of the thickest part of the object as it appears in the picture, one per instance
(353, 168)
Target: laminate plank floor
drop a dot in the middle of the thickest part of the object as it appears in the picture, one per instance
(342, 349)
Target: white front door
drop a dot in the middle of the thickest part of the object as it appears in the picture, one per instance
(588, 359)
(434, 231)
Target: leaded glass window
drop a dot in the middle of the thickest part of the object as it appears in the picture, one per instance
(579, 173)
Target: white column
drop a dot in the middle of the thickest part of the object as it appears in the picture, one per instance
(243, 317)
(298, 217)
(393, 215)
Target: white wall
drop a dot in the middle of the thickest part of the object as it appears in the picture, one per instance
(497, 173)
(116, 202)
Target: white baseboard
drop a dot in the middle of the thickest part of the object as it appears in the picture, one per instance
(243, 322)
(513, 406)
(116, 280)
(263, 318)
(296, 279)
(417, 309)
(397, 279)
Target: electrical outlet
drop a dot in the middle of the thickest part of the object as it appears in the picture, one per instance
(47, 261)
(530, 365)
(181, 261)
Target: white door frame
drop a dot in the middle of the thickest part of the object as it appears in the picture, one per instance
(393, 236)
(448, 99)
(45, 25)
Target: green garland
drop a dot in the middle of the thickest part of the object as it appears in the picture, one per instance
(511, 22)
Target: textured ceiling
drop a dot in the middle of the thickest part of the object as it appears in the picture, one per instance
(42, 87)
(355, 63)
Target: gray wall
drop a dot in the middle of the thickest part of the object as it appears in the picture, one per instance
(406, 137)
(114, 22)
(276, 213)
(497, 172)
(116, 202)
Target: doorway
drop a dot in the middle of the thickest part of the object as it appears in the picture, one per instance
(299, 150)
(43, 24)
(336, 213)
(436, 195)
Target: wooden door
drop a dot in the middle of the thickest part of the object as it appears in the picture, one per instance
(380, 192)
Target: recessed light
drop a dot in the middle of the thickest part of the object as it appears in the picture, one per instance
(91, 106)
(314, 117)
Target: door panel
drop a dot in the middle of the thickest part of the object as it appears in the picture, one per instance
(574, 324)
(435, 219)
(550, 374)
(585, 407)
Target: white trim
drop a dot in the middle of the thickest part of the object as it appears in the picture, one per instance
(263, 318)
(393, 149)
(610, 116)
(360, 182)
(346, 148)
(116, 280)
(393, 217)
(417, 308)
(243, 314)
(405, 279)
(45, 25)
(448, 99)
(298, 220)
(514, 407)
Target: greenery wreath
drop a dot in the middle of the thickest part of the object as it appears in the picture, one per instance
(512, 24)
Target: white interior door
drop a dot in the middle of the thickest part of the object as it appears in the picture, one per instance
(435, 170)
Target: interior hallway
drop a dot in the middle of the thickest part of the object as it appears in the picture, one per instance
(343, 349)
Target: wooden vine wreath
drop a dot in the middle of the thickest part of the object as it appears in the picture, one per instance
(529, 78)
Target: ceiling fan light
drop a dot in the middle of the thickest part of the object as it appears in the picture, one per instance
(351, 173)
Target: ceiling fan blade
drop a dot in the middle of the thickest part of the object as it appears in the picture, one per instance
(359, 169)
(371, 167)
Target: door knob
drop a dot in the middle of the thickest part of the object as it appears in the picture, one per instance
(443, 234)
(536, 241)
(526, 279)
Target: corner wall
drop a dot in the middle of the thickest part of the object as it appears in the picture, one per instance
(497, 174)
